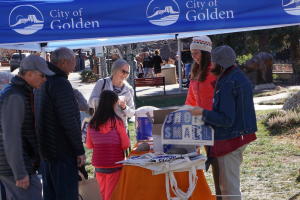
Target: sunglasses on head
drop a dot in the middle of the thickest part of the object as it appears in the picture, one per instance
(124, 71)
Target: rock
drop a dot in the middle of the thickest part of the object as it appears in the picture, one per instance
(293, 102)
(266, 86)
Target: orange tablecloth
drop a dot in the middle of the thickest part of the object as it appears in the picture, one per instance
(137, 183)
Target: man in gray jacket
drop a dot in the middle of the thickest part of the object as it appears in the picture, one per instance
(19, 157)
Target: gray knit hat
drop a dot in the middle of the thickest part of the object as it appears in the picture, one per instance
(224, 56)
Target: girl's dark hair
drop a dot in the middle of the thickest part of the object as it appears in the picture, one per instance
(200, 71)
(105, 109)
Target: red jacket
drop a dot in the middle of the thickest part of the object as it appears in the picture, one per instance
(202, 93)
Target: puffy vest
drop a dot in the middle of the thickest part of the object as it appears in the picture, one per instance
(29, 139)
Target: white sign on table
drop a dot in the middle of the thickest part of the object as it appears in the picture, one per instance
(181, 127)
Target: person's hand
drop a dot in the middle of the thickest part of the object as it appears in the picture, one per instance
(197, 111)
(23, 183)
(122, 104)
(81, 160)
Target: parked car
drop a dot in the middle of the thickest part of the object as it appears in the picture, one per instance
(15, 60)
(4, 62)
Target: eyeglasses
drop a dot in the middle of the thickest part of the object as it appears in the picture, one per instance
(124, 71)
(42, 75)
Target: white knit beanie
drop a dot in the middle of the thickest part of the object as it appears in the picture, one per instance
(202, 43)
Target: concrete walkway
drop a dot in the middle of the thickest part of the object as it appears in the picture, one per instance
(86, 90)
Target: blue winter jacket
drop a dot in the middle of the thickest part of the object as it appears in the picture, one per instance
(233, 113)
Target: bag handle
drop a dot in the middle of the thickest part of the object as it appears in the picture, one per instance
(171, 182)
(81, 176)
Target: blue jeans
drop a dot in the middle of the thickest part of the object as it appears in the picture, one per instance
(60, 179)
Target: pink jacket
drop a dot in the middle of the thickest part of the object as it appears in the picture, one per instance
(108, 144)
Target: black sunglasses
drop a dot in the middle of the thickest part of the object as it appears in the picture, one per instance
(124, 71)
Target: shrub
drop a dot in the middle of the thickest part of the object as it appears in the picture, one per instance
(243, 58)
(293, 102)
(279, 122)
(87, 76)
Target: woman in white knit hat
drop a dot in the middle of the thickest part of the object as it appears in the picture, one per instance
(201, 89)
(202, 83)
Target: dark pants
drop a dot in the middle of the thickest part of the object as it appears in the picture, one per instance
(2, 191)
(216, 175)
(60, 179)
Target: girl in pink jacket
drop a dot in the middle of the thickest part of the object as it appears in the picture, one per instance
(107, 136)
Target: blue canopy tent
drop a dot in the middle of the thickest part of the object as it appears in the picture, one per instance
(28, 22)
(88, 43)
(25, 21)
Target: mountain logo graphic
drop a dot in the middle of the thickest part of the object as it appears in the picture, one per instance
(292, 7)
(26, 19)
(163, 12)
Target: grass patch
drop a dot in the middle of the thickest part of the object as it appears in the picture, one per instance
(270, 169)
(161, 101)
(131, 128)
(273, 102)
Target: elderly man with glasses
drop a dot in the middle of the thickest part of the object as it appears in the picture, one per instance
(19, 156)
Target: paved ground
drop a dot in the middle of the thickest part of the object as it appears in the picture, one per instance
(86, 90)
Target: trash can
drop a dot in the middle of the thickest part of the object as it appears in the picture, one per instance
(169, 72)
(143, 122)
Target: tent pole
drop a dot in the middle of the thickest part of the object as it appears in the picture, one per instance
(43, 52)
(179, 67)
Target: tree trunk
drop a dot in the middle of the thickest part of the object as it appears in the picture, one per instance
(295, 55)
(263, 41)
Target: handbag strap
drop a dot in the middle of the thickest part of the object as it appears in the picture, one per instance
(104, 83)
(81, 176)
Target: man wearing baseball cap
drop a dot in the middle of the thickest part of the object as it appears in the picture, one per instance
(19, 155)
(233, 118)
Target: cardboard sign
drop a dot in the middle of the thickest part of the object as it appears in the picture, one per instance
(180, 127)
